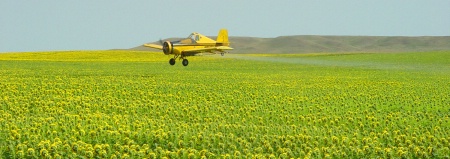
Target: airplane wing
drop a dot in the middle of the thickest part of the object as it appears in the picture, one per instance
(218, 48)
(154, 46)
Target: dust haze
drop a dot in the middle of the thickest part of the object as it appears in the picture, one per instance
(337, 63)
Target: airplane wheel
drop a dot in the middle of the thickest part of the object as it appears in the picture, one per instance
(185, 62)
(172, 61)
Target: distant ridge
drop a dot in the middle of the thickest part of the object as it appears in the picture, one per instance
(317, 44)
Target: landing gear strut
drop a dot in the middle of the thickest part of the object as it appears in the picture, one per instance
(185, 62)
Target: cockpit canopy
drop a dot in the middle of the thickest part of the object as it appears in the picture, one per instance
(194, 37)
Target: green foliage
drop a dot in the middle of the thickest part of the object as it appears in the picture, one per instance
(249, 106)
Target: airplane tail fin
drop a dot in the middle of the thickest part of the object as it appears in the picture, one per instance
(222, 38)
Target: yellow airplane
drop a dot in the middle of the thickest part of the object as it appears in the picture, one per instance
(194, 44)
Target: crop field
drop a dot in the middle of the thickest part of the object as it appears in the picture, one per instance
(129, 104)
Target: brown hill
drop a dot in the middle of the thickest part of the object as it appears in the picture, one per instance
(316, 44)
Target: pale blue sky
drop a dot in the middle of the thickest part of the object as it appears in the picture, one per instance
(40, 25)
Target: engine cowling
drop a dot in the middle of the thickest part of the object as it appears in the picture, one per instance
(167, 47)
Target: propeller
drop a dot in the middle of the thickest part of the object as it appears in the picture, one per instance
(167, 47)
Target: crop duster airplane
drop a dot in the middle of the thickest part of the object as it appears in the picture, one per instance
(194, 44)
